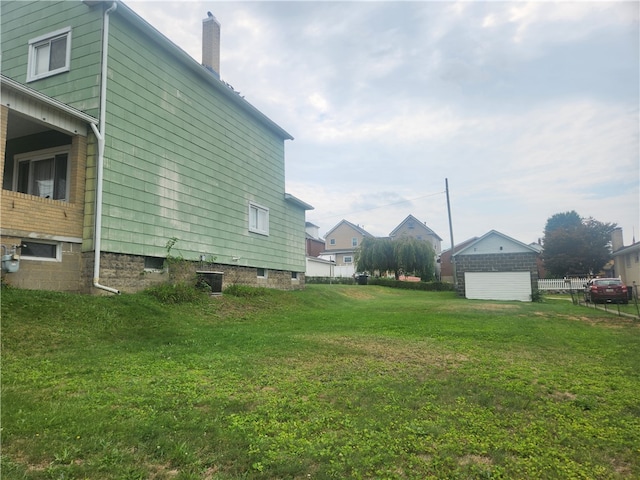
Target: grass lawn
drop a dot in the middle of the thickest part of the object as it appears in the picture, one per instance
(332, 382)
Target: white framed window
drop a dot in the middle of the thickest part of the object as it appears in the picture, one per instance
(332, 241)
(294, 275)
(258, 219)
(261, 272)
(354, 242)
(348, 259)
(49, 54)
(44, 173)
(47, 251)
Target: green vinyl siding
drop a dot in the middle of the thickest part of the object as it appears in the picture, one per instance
(183, 161)
(22, 21)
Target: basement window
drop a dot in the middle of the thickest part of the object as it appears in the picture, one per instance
(262, 272)
(154, 264)
(40, 251)
(49, 54)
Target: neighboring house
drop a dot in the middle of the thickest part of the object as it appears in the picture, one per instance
(341, 244)
(412, 227)
(315, 244)
(627, 259)
(118, 149)
(496, 267)
(446, 265)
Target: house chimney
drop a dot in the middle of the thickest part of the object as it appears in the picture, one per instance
(211, 44)
(617, 241)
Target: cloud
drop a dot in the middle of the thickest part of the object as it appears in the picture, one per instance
(528, 108)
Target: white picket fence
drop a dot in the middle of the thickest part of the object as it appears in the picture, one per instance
(562, 284)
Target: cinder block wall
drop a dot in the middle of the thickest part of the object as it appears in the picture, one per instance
(127, 274)
(496, 262)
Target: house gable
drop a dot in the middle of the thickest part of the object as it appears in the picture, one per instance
(345, 236)
(495, 242)
(412, 227)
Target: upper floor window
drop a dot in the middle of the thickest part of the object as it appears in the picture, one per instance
(332, 241)
(258, 219)
(49, 54)
(354, 242)
(44, 174)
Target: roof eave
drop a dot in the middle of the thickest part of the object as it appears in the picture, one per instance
(200, 70)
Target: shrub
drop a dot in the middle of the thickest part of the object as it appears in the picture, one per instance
(537, 296)
(425, 286)
(333, 280)
(247, 291)
(173, 293)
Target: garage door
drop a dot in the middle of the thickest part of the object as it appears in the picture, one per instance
(498, 285)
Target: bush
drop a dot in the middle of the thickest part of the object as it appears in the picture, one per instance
(174, 293)
(333, 280)
(425, 286)
(247, 291)
(537, 296)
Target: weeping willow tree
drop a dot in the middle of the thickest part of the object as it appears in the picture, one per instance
(405, 255)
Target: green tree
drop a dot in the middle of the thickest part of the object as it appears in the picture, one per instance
(574, 245)
(405, 255)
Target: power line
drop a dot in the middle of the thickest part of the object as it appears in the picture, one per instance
(379, 206)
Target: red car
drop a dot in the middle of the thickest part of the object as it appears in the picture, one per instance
(606, 290)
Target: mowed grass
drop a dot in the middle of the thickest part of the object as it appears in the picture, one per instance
(331, 382)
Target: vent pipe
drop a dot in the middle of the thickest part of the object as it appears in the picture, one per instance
(211, 44)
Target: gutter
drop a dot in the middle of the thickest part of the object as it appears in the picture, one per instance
(99, 133)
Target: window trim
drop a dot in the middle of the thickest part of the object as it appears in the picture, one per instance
(332, 241)
(58, 257)
(259, 208)
(265, 273)
(39, 155)
(36, 42)
(349, 257)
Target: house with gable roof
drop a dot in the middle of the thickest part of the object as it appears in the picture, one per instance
(496, 267)
(341, 243)
(412, 227)
(118, 149)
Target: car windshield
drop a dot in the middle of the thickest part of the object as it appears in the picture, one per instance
(607, 282)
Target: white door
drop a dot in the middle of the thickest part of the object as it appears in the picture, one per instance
(498, 285)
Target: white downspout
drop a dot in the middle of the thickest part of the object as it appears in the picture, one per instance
(99, 133)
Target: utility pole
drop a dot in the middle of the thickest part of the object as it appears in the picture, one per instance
(453, 248)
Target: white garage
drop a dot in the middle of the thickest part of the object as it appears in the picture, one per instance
(496, 267)
(498, 285)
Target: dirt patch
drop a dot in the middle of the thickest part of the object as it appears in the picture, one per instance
(563, 396)
(608, 322)
(357, 293)
(475, 460)
(492, 307)
(394, 351)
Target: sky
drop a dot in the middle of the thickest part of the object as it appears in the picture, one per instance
(526, 109)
